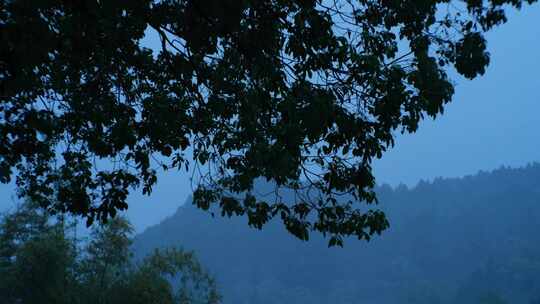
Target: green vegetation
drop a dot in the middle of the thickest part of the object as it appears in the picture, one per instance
(303, 93)
(41, 262)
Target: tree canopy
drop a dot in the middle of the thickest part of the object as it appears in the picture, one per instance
(41, 262)
(304, 93)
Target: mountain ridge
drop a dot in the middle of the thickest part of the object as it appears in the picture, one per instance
(457, 226)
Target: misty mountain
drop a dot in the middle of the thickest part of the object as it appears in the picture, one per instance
(452, 240)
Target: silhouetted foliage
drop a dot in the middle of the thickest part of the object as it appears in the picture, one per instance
(41, 263)
(304, 93)
(459, 240)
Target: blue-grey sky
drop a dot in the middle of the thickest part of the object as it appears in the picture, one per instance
(493, 121)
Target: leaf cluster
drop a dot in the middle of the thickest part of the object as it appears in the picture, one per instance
(304, 93)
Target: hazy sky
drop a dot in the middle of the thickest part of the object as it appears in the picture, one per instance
(493, 121)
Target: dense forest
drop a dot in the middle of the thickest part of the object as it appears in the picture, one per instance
(453, 240)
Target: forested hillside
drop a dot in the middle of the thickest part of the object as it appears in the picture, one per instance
(461, 240)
